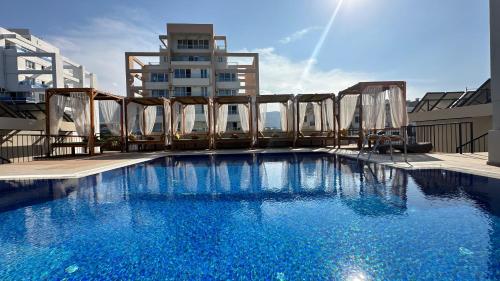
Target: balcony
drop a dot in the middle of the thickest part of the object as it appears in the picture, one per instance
(156, 85)
(193, 81)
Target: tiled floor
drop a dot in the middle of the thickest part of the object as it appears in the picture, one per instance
(73, 168)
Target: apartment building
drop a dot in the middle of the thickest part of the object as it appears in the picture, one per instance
(193, 61)
(29, 65)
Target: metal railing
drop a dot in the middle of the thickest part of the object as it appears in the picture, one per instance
(18, 148)
(445, 137)
(479, 144)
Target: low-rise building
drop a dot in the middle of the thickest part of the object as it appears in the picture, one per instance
(29, 65)
(193, 61)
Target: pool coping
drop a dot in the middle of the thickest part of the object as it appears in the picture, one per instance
(145, 157)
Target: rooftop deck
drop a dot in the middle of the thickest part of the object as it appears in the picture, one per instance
(74, 168)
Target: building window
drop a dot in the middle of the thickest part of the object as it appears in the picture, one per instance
(30, 64)
(234, 126)
(192, 44)
(227, 92)
(204, 73)
(159, 93)
(220, 59)
(182, 73)
(199, 109)
(159, 77)
(232, 110)
(226, 77)
(182, 91)
(204, 91)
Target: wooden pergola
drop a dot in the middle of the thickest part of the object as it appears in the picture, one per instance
(194, 140)
(94, 95)
(146, 102)
(284, 139)
(359, 89)
(315, 137)
(235, 141)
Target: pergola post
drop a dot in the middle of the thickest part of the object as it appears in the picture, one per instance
(165, 106)
(334, 125)
(250, 123)
(297, 112)
(91, 137)
(339, 99)
(209, 124)
(216, 117)
(121, 103)
(360, 133)
(126, 102)
(172, 107)
(48, 95)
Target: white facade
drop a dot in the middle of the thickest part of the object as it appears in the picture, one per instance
(29, 65)
(494, 134)
(192, 61)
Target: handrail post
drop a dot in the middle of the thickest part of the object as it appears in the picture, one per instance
(471, 137)
(460, 138)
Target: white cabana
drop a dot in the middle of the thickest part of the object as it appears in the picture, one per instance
(275, 137)
(369, 99)
(82, 103)
(228, 137)
(185, 132)
(322, 111)
(141, 118)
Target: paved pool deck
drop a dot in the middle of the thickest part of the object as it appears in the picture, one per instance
(80, 167)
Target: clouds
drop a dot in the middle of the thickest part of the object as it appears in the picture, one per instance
(100, 45)
(298, 34)
(281, 75)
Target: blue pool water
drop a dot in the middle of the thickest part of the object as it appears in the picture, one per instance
(261, 217)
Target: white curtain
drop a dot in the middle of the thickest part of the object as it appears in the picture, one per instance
(262, 116)
(189, 118)
(317, 116)
(284, 116)
(147, 119)
(373, 107)
(328, 115)
(110, 111)
(176, 118)
(205, 112)
(57, 105)
(80, 106)
(132, 111)
(243, 112)
(166, 127)
(222, 118)
(302, 114)
(291, 115)
(399, 116)
(347, 109)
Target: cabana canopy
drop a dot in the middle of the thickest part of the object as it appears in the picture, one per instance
(369, 98)
(147, 119)
(283, 138)
(84, 114)
(183, 110)
(324, 116)
(187, 101)
(220, 111)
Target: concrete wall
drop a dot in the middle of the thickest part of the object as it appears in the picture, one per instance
(445, 138)
(494, 135)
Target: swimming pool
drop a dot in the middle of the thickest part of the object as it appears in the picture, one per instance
(303, 216)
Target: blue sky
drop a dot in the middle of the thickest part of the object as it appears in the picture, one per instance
(434, 45)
